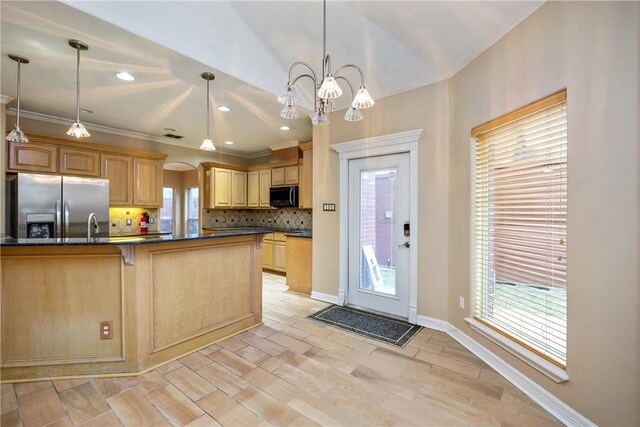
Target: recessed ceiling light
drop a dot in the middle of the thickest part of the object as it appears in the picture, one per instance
(284, 127)
(224, 108)
(125, 76)
(229, 142)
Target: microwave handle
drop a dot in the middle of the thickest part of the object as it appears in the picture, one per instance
(58, 219)
(291, 196)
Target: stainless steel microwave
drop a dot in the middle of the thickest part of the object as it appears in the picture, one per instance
(284, 197)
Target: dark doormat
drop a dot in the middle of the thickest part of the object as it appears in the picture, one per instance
(374, 326)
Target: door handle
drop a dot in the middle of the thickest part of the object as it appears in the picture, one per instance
(66, 219)
(58, 219)
(404, 245)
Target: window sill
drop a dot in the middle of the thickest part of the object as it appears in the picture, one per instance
(554, 372)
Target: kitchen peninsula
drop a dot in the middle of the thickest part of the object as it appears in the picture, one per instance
(113, 306)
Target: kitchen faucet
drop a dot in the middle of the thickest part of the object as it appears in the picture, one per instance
(92, 218)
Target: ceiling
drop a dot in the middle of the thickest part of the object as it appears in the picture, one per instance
(248, 45)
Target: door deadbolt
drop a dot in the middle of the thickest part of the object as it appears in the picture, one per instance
(404, 245)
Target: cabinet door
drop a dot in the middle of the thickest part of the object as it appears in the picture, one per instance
(79, 162)
(277, 177)
(253, 189)
(239, 189)
(147, 182)
(119, 171)
(265, 188)
(291, 175)
(267, 255)
(32, 157)
(280, 256)
(222, 188)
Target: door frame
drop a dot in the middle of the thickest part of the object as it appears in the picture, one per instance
(395, 143)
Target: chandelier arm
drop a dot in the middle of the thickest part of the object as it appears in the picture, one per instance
(351, 66)
(304, 64)
(315, 85)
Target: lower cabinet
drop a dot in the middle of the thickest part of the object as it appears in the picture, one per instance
(274, 252)
(299, 251)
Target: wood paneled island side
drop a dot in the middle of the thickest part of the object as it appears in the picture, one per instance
(162, 298)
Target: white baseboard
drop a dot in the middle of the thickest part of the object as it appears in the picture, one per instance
(332, 299)
(556, 407)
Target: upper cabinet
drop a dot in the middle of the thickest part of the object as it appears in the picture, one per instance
(253, 189)
(238, 189)
(32, 157)
(119, 171)
(226, 188)
(74, 161)
(284, 176)
(147, 182)
(306, 177)
(265, 188)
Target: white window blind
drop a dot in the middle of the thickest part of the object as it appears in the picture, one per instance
(520, 227)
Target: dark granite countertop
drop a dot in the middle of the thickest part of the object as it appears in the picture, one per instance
(131, 240)
(304, 233)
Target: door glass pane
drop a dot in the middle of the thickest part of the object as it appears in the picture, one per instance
(192, 210)
(166, 213)
(378, 231)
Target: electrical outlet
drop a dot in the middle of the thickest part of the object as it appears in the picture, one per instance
(129, 221)
(461, 303)
(106, 330)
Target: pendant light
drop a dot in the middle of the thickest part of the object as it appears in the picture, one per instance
(328, 91)
(77, 129)
(16, 134)
(207, 144)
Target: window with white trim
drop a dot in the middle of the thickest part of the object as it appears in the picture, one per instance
(519, 249)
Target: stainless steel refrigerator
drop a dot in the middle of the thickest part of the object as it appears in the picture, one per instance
(51, 206)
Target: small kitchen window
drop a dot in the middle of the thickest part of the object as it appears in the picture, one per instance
(192, 211)
(519, 252)
(166, 213)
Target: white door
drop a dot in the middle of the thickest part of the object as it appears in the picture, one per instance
(379, 213)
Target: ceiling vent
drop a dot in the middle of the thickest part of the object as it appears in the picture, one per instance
(172, 135)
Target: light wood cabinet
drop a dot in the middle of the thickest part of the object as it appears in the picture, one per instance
(147, 182)
(238, 189)
(79, 162)
(253, 189)
(119, 171)
(32, 157)
(299, 250)
(284, 176)
(221, 188)
(274, 252)
(265, 188)
(306, 178)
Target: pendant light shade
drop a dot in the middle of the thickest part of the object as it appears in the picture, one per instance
(362, 99)
(289, 96)
(329, 88)
(353, 114)
(16, 134)
(319, 118)
(77, 129)
(207, 144)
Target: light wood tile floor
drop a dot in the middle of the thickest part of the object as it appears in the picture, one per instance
(290, 371)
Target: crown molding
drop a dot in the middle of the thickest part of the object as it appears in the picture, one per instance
(5, 99)
(126, 133)
(283, 145)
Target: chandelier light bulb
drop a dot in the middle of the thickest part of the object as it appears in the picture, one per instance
(353, 114)
(289, 112)
(207, 145)
(289, 96)
(78, 130)
(319, 119)
(362, 99)
(329, 88)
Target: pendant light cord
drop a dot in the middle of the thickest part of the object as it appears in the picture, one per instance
(78, 85)
(208, 110)
(18, 96)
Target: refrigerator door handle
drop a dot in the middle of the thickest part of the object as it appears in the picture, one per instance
(66, 219)
(58, 219)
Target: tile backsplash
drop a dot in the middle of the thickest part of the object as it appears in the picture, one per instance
(288, 218)
(118, 220)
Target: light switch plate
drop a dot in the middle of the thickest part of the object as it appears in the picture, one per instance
(329, 207)
(461, 303)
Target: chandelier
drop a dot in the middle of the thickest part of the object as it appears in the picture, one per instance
(328, 90)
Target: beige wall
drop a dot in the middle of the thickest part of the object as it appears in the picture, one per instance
(3, 166)
(592, 50)
(425, 108)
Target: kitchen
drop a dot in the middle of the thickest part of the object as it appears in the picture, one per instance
(546, 44)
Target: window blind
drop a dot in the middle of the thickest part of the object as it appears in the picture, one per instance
(520, 226)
